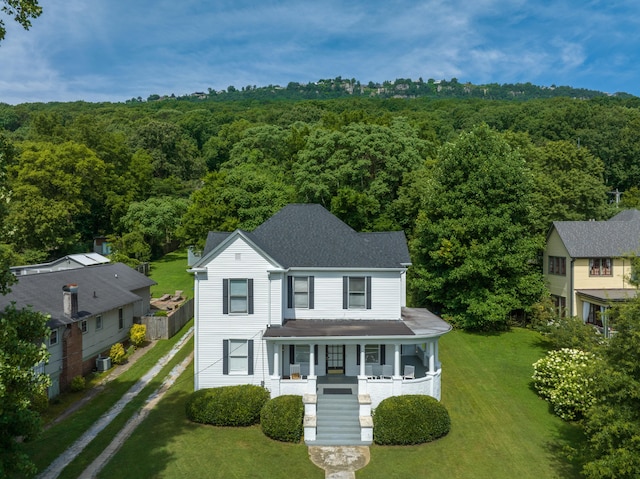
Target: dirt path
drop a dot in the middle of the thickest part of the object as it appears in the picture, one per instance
(96, 466)
(58, 465)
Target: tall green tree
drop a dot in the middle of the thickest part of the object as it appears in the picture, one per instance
(57, 196)
(474, 246)
(612, 425)
(21, 350)
(157, 219)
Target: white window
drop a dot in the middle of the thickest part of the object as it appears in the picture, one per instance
(301, 354)
(600, 267)
(53, 337)
(83, 326)
(238, 296)
(238, 356)
(98, 323)
(301, 291)
(372, 353)
(357, 293)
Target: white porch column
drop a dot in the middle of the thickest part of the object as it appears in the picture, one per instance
(396, 360)
(362, 360)
(276, 359)
(312, 361)
(432, 356)
(436, 354)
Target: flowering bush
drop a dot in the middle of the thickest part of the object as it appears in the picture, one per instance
(565, 378)
(137, 334)
(117, 353)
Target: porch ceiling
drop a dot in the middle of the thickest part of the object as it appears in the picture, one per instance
(415, 322)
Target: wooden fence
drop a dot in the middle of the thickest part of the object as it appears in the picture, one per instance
(164, 327)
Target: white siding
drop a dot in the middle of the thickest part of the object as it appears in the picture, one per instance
(386, 296)
(238, 260)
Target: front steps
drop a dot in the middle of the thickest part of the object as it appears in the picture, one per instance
(338, 421)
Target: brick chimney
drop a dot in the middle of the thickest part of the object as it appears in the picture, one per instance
(70, 300)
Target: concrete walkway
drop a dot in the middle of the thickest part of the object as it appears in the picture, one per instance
(58, 465)
(339, 462)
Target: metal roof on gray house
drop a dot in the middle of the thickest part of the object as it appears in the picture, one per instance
(101, 288)
(619, 236)
(307, 235)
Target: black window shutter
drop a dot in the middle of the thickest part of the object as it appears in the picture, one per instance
(289, 292)
(383, 351)
(358, 355)
(292, 353)
(250, 294)
(225, 296)
(311, 294)
(250, 357)
(345, 292)
(315, 354)
(225, 356)
(368, 292)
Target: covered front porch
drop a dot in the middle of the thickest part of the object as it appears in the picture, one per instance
(375, 358)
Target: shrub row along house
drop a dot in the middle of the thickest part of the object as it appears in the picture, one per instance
(306, 305)
(587, 264)
(91, 305)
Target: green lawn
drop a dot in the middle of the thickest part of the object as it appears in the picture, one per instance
(500, 429)
(170, 273)
(58, 438)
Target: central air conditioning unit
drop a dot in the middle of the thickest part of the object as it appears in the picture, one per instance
(103, 364)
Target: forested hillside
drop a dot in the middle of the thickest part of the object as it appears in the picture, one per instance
(464, 178)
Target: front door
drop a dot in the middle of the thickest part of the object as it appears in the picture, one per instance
(335, 359)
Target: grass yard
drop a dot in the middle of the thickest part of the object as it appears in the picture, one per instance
(499, 426)
(500, 429)
(58, 438)
(170, 272)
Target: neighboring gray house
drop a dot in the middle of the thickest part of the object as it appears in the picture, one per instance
(72, 261)
(303, 302)
(90, 310)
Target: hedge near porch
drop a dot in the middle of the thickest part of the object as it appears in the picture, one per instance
(410, 419)
(227, 405)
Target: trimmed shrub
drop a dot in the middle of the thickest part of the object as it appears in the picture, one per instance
(565, 378)
(78, 384)
(228, 405)
(281, 418)
(117, 353)
(410, 419)
(40, 401)
(137, 334)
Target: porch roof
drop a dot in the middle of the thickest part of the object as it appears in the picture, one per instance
(606, 295)
(414, 322)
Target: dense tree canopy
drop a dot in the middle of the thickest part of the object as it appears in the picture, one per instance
(474, 241)
(613, 423)
(76, 170)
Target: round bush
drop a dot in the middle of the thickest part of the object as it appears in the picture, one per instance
(410, 419)
(565, 377)
(78, 383)
(281, 418)
(228, 405)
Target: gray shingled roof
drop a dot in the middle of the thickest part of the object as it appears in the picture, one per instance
(112, 283)
(307, 235)
(619, 236)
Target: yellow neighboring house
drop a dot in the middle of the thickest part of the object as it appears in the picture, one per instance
(587, 266)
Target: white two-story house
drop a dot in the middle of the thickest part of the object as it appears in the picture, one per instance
(303, 302)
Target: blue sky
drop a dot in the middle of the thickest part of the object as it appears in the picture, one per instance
(113, 50)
